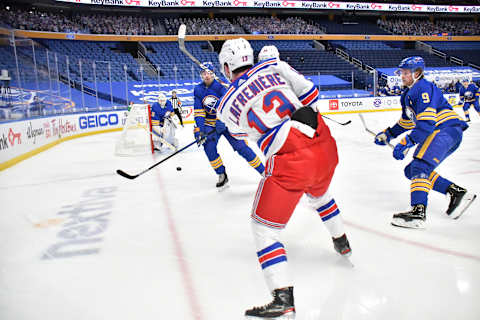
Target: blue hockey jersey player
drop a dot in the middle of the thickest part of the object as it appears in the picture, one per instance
(161, 109)
(437, 131)
(469, 94)
(163, 127)
(206, 97)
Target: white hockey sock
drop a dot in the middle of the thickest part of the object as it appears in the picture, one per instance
(328, 211)
(272, 256)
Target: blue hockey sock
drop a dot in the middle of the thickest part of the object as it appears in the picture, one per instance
(439, 183)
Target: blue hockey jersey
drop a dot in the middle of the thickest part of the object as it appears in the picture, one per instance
(469, 94)
(425, 109)
(206, 102)
(159, 112)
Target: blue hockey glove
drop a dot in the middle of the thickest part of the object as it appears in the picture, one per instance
(402, 148)
(200, 136)
(384, 137)
(220, 127)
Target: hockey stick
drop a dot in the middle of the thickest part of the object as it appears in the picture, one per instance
(162, 140)
(340, 123)
(370, 131)
(182, 31)
(153, 132)
(131, 177)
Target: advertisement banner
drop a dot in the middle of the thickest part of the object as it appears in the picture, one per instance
(370, 104)
(285, 4)
(442, 76)
(18, 138)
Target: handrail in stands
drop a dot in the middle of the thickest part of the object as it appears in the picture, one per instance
(456, 60)
(163, 38)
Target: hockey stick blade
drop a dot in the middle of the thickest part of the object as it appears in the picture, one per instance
(182, 31)
(181, 44)
(126, 175)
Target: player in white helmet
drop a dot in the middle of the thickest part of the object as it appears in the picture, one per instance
(268, 52)
(275, 106)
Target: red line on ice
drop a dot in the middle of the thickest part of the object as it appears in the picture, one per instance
(184, 268)
(413, 243)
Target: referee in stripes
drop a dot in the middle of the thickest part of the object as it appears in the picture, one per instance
(177, 106)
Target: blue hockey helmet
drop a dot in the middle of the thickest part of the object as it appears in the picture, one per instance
(465, 79)
(411, 63)
(207, 66)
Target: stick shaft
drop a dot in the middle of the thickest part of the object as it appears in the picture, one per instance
(338, 122)
(128, 176)
(370, 131)
(181, 45)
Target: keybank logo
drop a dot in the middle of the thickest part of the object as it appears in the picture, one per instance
(94, 121)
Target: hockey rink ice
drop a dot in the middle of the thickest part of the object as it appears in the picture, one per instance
(79, 242)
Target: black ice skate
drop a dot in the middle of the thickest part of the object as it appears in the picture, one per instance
(282, 306)
(222, 180)
(460, 200)
(342, 246)
(414, 218)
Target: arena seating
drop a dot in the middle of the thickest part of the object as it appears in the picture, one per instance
(360, 27)
(467, 51)
(166, 55)
(362, 45)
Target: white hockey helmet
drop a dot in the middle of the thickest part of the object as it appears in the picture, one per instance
(162, 99)
(268, 52)
(236, 53)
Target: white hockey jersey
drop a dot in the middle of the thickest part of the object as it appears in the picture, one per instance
(259, 104)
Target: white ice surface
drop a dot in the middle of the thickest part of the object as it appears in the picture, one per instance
(173, 247)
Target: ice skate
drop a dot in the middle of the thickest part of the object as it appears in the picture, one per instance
(342, 246)
(460, 200)
(414, 218)
(222, 180)
(282, 306)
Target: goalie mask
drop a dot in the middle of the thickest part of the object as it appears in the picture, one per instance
(162, 100)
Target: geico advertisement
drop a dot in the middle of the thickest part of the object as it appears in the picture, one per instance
(370, 103)
(20, 137)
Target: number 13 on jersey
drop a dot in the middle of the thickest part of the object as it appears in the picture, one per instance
(276, 101)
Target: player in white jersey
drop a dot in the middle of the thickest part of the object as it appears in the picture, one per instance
(268, 52)
(275, 106)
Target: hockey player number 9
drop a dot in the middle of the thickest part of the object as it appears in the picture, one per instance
(425, 97)
(273, 100)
